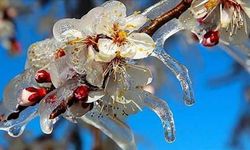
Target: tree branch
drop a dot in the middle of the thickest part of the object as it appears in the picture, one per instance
(166, 17)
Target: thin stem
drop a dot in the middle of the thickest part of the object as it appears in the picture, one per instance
(167, 16)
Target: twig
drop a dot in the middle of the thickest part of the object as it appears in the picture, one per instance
(164, 18)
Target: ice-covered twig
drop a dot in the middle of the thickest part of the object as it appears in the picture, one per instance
(159, 21)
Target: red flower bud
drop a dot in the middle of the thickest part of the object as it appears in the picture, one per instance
(42, 76)
(81, 93)
(31, 95)
(211, 38)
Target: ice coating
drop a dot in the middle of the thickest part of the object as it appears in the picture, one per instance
(42, 52)
(180, 72)
(161, 108)
(15, 127)
(160, 7)
(13, 90)
(178, 69)
(113, 128)
(51, 101)
(71, 64)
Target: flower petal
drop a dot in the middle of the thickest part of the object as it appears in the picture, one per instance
(139, 75)
(127, 50)
(89, 21)
(107, 50)
(42, 53)
(76, 57)
(114, 10)
(135, 22)
(66, 30)
(225, 17)
(144, 44)
(60, 71)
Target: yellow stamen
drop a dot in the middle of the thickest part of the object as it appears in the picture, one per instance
(211, 4)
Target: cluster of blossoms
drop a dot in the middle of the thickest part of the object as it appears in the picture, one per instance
(91, 71)
(7, 28)
(219, 20)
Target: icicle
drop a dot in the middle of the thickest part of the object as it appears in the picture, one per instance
(115, 129)
(180, 72)
(178, 69)
(15, 127)
(161, 108)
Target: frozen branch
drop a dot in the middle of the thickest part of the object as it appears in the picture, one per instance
(156, 23)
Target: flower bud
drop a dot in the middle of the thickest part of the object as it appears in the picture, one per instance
(42, 76)
(31, 95)
(211, 38)
(81, 93)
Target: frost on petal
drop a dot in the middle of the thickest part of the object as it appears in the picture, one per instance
(180, 72)
(127, 50)
(12, 92)
(139, 75)
(60, 71)
(160, 107)
(88, 22)
(94, 72)
(113, 128)
(134, 22)
(143, 43)
(42, 53)
(53, 100)
(114, 10)
(77, 57)
(107, 50)
(66, 30)
(15, 127)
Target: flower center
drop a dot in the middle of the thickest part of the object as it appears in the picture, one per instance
(119, 36)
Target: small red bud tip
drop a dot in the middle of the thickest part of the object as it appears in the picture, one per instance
(59, 53)
(211, 38)
(42, 76)
(81, 93)
(32, 95)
